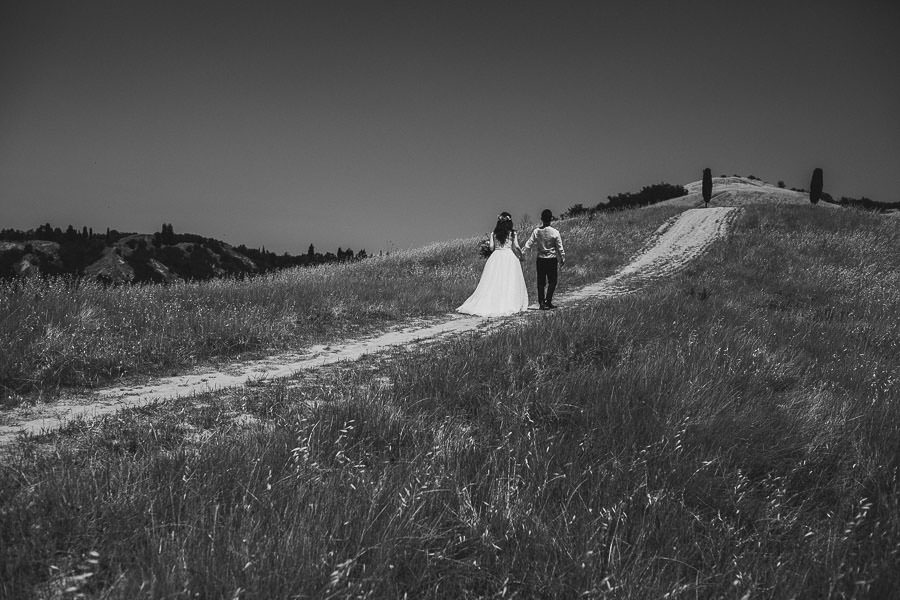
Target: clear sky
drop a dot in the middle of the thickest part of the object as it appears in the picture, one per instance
(375, 124)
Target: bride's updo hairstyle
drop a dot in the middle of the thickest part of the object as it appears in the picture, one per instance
(504, 227)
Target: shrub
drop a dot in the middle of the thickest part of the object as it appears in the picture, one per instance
(648, 195)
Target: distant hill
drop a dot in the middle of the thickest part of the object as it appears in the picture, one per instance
(161, 257)
(733, 190)
(737, 190)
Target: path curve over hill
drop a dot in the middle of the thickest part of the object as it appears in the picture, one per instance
(673, 246)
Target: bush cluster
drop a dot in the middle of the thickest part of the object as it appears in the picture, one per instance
(650, 194)
(868, 204)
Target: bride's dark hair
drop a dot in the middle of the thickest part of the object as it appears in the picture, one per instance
(504, 227)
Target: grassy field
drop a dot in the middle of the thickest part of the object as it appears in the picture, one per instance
(57, 332)
(733, 432)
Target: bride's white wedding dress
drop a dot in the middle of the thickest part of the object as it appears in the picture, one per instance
(501, 289)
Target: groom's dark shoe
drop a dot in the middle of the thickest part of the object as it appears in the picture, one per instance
(542, 306)
(549, 306)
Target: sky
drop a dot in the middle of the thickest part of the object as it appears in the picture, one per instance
(383, 124)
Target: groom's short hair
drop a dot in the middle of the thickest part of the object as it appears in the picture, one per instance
(546, 215)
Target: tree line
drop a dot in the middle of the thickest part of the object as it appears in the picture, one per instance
(187, 255)
(649, 194)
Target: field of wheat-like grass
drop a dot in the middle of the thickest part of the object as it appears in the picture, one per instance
(732, 432)
(59, 332)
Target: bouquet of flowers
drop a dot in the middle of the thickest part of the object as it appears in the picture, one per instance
(484, 247)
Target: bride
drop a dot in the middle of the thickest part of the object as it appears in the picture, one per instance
(501, 289)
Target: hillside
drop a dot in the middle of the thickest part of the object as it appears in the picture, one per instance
(728, 431)
(675, 244)
(94, 335)
(57, 333)
(116, 258)
(734, 190)
(742, 191)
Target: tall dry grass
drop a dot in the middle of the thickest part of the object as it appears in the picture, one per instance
(62, 332)
(731, 433)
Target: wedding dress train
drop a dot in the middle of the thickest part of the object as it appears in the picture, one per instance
(501, 289)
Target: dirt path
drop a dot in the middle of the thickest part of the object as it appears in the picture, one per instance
(674, 245)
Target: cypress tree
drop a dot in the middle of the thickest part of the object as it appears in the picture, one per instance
(707, 186)
(167, 234)
(815, 186)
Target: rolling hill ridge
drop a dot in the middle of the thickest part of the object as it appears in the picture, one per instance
(161, 257)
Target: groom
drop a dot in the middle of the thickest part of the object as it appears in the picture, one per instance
(550, 255)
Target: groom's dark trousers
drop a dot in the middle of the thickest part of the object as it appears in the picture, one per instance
(547, 269)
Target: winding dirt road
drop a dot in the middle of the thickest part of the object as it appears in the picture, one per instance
(672, 247)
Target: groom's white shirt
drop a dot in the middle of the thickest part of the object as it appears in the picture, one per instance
(548, 243)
